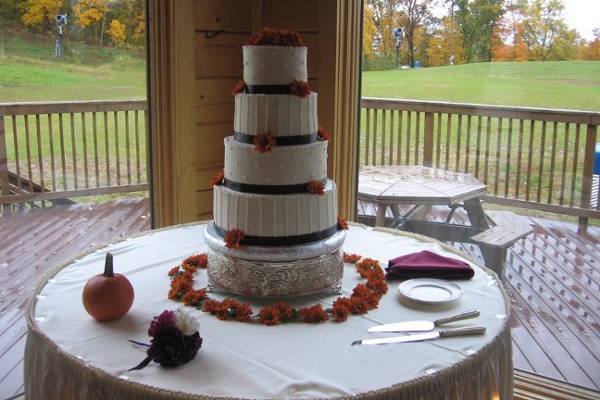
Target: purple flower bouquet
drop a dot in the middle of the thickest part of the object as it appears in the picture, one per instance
(175, 340)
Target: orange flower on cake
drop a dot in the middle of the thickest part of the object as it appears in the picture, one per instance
(299, 88)
(218, 178)
(323, 134)
(233, 238)
(264, 142)
(316, 187)
(276, 37)
(240, 87)
(342, 224)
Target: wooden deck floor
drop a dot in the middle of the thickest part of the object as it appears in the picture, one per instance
(553, 277)
(35, 240)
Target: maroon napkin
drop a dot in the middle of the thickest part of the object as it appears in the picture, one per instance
(426, 264)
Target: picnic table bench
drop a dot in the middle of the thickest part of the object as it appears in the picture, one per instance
(421, 187)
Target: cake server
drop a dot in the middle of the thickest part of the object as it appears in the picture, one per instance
(422, 326)
(449, 332)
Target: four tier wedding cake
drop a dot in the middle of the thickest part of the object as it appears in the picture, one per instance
(276, 231)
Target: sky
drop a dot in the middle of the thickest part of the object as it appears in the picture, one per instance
(583, 15)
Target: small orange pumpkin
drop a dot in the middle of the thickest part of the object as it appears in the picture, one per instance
(108, 296)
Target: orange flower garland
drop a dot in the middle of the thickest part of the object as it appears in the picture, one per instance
(351, 258)
(316, 187)
(364, 297)
(264, 142)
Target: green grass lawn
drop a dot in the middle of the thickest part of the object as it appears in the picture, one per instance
(553, 84)
(491, 152)
(30, 72)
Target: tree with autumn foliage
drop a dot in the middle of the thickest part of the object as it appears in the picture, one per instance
(40, 14)
(591, 51)
(546, 33)
(445, 44)
(116, 31)
(90, 15)
(415, 13)
(89, 20)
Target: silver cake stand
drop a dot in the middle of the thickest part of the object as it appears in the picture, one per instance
(263, 271)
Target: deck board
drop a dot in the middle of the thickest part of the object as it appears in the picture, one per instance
(553, 279)
(35, 240)
(555, 330)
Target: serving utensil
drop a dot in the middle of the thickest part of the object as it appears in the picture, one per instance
(449, 332)
(424, 325)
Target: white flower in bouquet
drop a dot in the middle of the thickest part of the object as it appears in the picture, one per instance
(187, 324)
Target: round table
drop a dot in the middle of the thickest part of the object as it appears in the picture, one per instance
(71, 356)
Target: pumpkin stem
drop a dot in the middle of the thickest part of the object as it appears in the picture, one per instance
(108, 266)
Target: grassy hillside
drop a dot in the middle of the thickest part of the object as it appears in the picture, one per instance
(30, 72)
(555, 84)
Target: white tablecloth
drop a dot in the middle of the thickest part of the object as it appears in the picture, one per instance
(70, 355)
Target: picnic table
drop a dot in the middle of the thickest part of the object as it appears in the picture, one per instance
(422, 188)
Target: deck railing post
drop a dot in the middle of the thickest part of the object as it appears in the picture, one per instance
(428, 140)
(4, 186)
(588, 173)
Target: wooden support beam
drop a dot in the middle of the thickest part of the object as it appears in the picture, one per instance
(588, 173)
(346, 91)
(171, 71)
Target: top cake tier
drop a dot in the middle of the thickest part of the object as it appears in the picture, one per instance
(274, 65)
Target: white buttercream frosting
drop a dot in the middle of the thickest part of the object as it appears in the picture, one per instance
(280, 115)
(283, 165)
(275, 215)
(274, 65)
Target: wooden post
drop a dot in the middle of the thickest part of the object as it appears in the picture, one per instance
(428, 140)
(588, 173)
(4, 188)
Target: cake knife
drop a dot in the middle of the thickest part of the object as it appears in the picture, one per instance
(422, 326)
(464, 331)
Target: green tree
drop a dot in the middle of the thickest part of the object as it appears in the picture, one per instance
(478, 20)
(545, 29)
(11, 11)
(416, 13)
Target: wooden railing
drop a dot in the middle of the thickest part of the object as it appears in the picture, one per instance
(529, 157)
(60, 150)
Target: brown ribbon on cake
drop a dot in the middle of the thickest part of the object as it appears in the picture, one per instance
(268, 189)
(250, 240)
(279, 140)
(268, 89)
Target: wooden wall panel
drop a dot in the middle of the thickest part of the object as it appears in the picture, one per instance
(301, 16)
(219, 56)
(214, 91)
(223, 15)
(204, 67)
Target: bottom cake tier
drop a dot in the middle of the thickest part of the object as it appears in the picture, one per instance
(262, 271)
